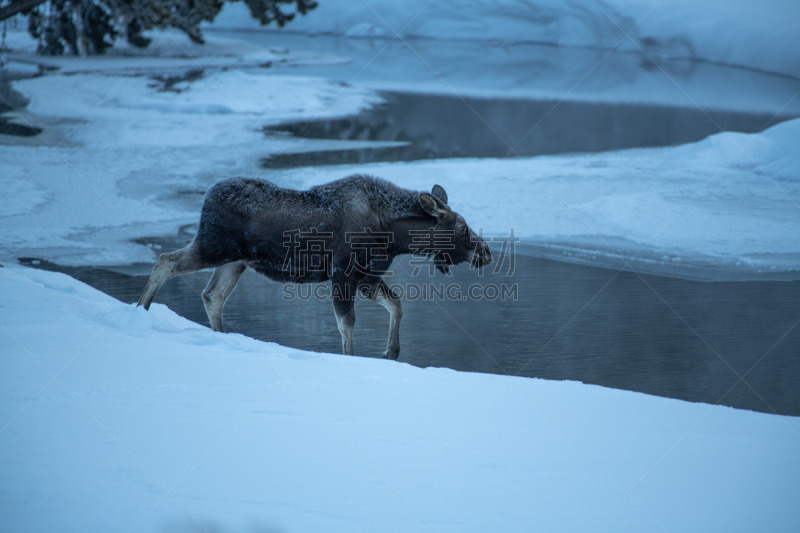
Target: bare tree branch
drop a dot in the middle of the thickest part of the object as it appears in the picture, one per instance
(17, 6)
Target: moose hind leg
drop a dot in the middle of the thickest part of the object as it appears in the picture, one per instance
(377, 291)
(346, 321)
(170, 265)
(219, 287)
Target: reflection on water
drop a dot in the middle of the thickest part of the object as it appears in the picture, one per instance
(436, 126)
(534, 71)
(554, 99)
(734, 343)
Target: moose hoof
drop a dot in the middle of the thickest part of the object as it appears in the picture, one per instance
(394, 354)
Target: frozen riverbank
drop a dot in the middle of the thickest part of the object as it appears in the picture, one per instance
(137, 137)
(119, 145)
(760, 35)
(112, 418)
(130, 154)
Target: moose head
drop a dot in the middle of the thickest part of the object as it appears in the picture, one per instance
(450, 241)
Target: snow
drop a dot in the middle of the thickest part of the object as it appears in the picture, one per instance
(114, 145)
(761, 35)
(491, 69)
(113, 418)
(116, 419)
(169, 51)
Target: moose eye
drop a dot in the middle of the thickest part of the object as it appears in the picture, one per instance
(464, 230)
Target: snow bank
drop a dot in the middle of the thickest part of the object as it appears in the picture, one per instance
(115, 147)
(116, 419)
(169, 51)
(761, 35)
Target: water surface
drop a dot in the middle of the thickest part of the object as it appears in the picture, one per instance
(732, 343)
(446, 126)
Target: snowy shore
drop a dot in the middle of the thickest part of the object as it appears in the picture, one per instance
(116, 419)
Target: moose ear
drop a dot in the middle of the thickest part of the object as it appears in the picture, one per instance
(431, 204)
(438, 192)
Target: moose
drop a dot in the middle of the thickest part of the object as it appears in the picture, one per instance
(347, 231)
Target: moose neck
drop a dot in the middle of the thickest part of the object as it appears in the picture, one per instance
(409, 234)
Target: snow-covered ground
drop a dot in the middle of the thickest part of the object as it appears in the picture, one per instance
(116, 419)
(115, 146)
(113, 419)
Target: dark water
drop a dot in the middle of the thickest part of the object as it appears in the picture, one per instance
(436, 126)
(732, 343)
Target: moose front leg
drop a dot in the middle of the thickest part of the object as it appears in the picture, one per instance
(219, 287)
(345, 315)
(376, 290)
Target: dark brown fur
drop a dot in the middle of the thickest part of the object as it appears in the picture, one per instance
(347, 231)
